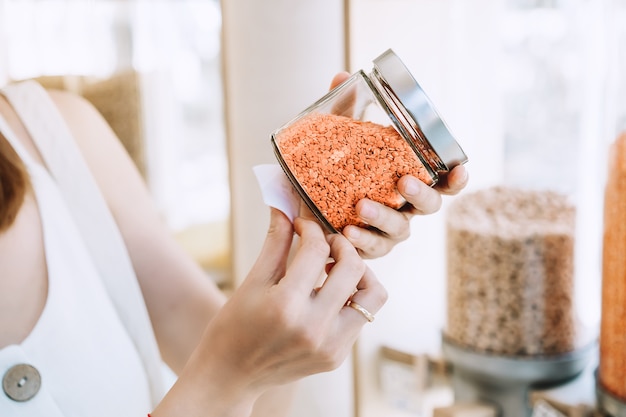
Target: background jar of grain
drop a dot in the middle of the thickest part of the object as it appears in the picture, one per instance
(360, 138)
(510, 268)
(611, 375)
(612, 367)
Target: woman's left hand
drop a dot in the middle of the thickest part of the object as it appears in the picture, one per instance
(390, 226)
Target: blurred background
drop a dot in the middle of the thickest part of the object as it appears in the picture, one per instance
(532, 89)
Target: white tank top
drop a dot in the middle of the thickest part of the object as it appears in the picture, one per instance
(89, 360)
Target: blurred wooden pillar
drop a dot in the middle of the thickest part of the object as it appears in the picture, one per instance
(279, 56)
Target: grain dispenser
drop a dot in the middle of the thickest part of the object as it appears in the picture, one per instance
(511, 315)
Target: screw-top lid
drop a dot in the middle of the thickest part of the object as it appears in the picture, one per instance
(410, 94)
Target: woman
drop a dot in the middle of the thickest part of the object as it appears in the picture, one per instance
(94, 291)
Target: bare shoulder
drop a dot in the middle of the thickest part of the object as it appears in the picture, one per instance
(61, 96)
(106, 157)
(70, 102)
(92, 133)
(77, 111)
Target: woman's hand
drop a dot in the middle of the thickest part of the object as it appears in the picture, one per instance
(393, 226)
(283, 323)
(389, 226)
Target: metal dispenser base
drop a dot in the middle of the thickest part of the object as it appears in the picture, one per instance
(607, 404)
(506, 381)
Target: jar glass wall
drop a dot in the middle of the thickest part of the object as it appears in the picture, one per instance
(612, 367)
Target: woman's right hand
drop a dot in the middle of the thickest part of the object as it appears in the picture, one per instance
(280, 325)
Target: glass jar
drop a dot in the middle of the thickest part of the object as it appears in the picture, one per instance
(360, 138)
(510, 269)
(612, 367)
(512, 323)
(611, 375)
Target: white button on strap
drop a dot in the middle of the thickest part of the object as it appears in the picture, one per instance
(21, 382)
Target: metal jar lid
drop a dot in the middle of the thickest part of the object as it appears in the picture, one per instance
(420, 108)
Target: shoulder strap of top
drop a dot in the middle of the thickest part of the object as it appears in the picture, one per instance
(17, 146)
(86, 203)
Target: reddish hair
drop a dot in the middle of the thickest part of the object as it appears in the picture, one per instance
(13, 183)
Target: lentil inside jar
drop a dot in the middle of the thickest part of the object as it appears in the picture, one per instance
(338, 160)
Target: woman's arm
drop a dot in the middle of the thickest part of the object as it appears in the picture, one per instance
(180, 297)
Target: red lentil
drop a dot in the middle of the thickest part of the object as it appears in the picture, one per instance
(613, 323)
(338, 161)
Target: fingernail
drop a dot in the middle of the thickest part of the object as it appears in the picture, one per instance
(352, 232)
(368, 211)
(465, 176)
(412, 187)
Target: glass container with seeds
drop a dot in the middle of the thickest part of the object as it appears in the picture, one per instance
(360, 138)
(611, 372)
(612, 365)
(510, 269)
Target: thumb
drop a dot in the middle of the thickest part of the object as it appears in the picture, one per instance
(271, 263)
(339, 78)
